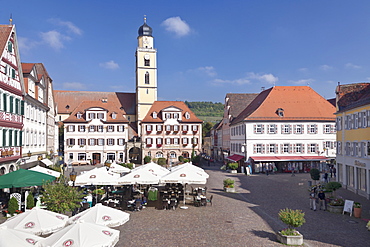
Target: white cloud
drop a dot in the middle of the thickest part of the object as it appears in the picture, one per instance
(54, 39)
(269, 78)
(304, 70)
(177, 26)
(25, 44)
(109, 65)
(353, 66)
(69, 25)
(208, 70)
(326, 67)
(302, 81)
(74, 86)
(240, 81)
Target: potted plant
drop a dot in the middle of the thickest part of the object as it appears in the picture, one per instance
(333, 186)
(30, 201)
(13, 206)
(292, 218)
(229, 185)
(233, 166)
(336, 205)
(357, 208)
(315, 174)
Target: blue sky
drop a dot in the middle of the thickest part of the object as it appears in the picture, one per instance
(205, 48)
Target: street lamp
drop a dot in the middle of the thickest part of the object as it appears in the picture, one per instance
(72, 176)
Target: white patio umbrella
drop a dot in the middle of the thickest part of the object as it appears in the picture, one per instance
(153, 168)
(82, 234)
(116, 168)
(138, 177)
(184, 175)
(102, 215)
(37, 221)
(190, 165)
(46, 171)
(97, 176)
(10, 238)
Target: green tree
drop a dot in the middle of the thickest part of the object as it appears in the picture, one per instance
(147, 159)
(12, 205)
(59, 197)
(30, 201)
(161, 161)
(206, 127)
(315, 174)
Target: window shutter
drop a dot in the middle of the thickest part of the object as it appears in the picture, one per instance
(254, 148)
(282, 148)
(73, 141)
(303, 148)
(276, 148)
(263, 129)
(294, 148)
(302, 128)
(263, 148)
(290, 148)
(254, 129)
(290, 129)
(317, 147)
(79, 141)
(295, 129)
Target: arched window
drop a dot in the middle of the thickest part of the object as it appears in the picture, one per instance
(147, 77)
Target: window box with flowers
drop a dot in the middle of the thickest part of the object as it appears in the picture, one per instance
(148, 145)
(159, 145)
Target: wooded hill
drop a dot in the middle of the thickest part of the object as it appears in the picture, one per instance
(207, 111)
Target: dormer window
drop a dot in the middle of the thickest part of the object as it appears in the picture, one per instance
(168, 115)
(114, 115)
(79, 115)
(154, 114)
(187, 115)
(280, 112)
(100, 115)
(176, 116)
(67, 106)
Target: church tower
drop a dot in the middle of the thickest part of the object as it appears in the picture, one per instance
(146, 72)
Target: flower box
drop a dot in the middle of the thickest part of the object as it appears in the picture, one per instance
(230, 190)
(149, 145)
(159, 145)
(335, 209)
(290, 240)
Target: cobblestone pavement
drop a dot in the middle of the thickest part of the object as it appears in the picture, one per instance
(248, 217)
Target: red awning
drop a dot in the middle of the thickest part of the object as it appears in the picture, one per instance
(235, 157)
(289, 158)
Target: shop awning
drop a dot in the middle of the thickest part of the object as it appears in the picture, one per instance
(288, 158)
(235, 157)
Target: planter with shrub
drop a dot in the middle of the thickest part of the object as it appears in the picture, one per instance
(292, 218)
(229, 185)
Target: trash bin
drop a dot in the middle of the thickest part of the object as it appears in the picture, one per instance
(242, 169)
(309, 183)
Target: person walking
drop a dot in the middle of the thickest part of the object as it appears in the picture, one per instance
(313, 200)
(321, 197)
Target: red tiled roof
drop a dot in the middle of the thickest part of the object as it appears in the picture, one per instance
(27, 67)
(352, 95)
(110, 106)
(5, 31)
(67, 101)
(297, 102)
(158, 106)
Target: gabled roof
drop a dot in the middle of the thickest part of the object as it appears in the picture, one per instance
(5, 31)
(297, 103)
(109, 106)
(352, 95)
(238, 102)
(67, 101)
(158, 106)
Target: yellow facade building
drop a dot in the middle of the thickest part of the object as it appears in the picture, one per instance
(353, 137)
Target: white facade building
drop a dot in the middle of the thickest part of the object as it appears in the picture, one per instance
(286, 127)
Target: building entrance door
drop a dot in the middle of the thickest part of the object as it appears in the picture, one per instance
(96, 158)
